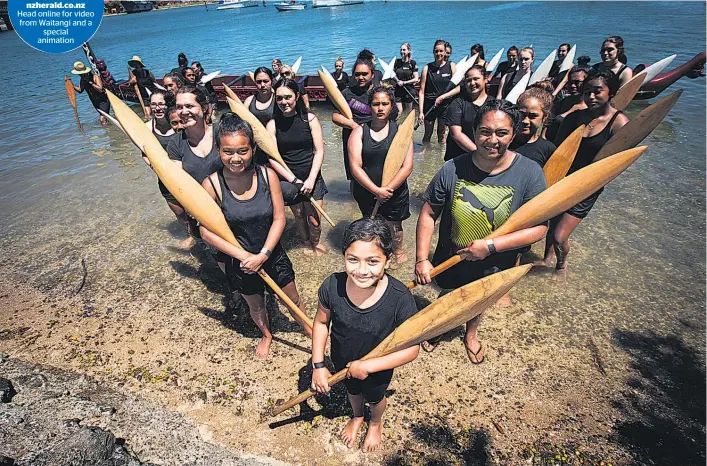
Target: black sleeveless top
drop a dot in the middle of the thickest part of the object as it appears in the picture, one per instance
(510, 83)
(438, 78)
(264, 115)
(295, 143)
(590, 146)
(373, 155)
(198, 167)
(250, 220)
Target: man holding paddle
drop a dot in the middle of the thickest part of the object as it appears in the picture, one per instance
(475, 194)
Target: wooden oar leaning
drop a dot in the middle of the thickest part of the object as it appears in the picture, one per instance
(561, 160)
(188, 191)
(268, 145)
(557, 198)
(334, 93)
(443, 315)
(628, 91)
(397, 152)
(137, 92)
(71, 94)
(229, 93)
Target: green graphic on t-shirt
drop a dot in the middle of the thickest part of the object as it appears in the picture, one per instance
(478, 209)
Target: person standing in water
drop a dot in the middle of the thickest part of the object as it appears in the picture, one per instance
(362, 306)
(406, 76)
(509, 80)
(475, 194)
(613, 58)
(461, 113)
(251, 200)
(93, 85)
(340, 76)
(569, 104)
(301, 144)
(262, 104)
(143, 77)
(602, 121)
(510, 64)
(436, 76)
(368, 148)
(535, 106)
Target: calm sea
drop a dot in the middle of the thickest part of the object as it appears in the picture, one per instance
(638, 260)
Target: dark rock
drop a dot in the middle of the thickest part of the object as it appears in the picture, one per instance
(88, 446)
(7, 391)
(6, 461)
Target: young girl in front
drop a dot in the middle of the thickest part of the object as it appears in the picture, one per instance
(364, 305)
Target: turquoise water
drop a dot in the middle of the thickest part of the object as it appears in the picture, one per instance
(64, 195)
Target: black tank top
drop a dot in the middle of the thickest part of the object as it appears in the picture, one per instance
(142, 75)
(295, 143)
(373, 155)
(250, 220)
(438, 78)
(264, 115)
(590, 146)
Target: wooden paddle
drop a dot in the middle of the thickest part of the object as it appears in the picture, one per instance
(443, 315)
(265, 142)
(137, 91)
(229, 93)
(188, 191)
(334, 93)
(628, 91)
(561, 160)
(397, 152)
(640, 127)
(252, 76)
(557, 198)
(71, 94)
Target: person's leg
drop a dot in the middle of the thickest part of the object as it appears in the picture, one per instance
(259, 314)
(183, 220)
(375, 426)
(441, 128)
(475, 350)
(301, 225)
(400, 107)
(429, 127)
(314, 224)
(350, 432)
(291, 291)
(398, 237)
(561, 240)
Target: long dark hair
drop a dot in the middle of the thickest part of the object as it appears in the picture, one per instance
(263, 69)
(610, 79)
(618, 41)
(369, 230)
(292, 85)
(201, 98)
(478, 48)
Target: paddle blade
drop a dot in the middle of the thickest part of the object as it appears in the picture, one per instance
(252, 76)
(640, 127)
(398, 150)
(186, 189)
(443, 315)
(112, 120)
(491, 66)
(568, 192)
(543, 70)
(561, 160)
(208, 77)
(628, 91)
(261, 135)
(229, 93)
(518, 89)
(569, 60)
(656, 68)
(70, 91)
(296, 65)
(462, 68)
(389, 70)
(334, 93)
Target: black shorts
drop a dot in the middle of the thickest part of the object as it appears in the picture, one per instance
(470, 271)
(278, 267)
(437, 113)
(396, 209)
(372, 388)
(582, 209)
(102, 105)
(402, 96)
(292, 196)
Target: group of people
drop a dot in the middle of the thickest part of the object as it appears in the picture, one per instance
(493, 166)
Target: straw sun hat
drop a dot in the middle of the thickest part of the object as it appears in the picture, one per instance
(134, 60)
(80, 68)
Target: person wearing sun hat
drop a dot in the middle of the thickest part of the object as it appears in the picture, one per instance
(142, 76)
(93, 86)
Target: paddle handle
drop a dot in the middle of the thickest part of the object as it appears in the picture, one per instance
(375, 208)
(137, 91)
(307, 394)
(296, 312)
(449, 263)
(321, 212)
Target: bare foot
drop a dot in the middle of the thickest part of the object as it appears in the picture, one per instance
(263, 349)
(560, 275)
(504, 301)
(373, 437)
(187, 243)
(401, 258)
(543, 263)
(307, 248)
(320, 249)
(349, 434)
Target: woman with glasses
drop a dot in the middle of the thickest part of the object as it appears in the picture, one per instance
(509, 80)
(613, 58)
(301, 144)
(436, 76)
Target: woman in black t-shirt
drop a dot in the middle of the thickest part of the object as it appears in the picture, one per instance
(340, 76)
(462, 113)
(406, 76)
(535, 107)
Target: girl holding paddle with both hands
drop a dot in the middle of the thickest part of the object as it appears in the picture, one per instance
(475, 194)
(368, 148)
(436, 76)
(602, 121)
(251, 200)
(301, 143)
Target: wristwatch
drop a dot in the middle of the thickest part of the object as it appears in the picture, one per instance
(491, 246)
(318, 365)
